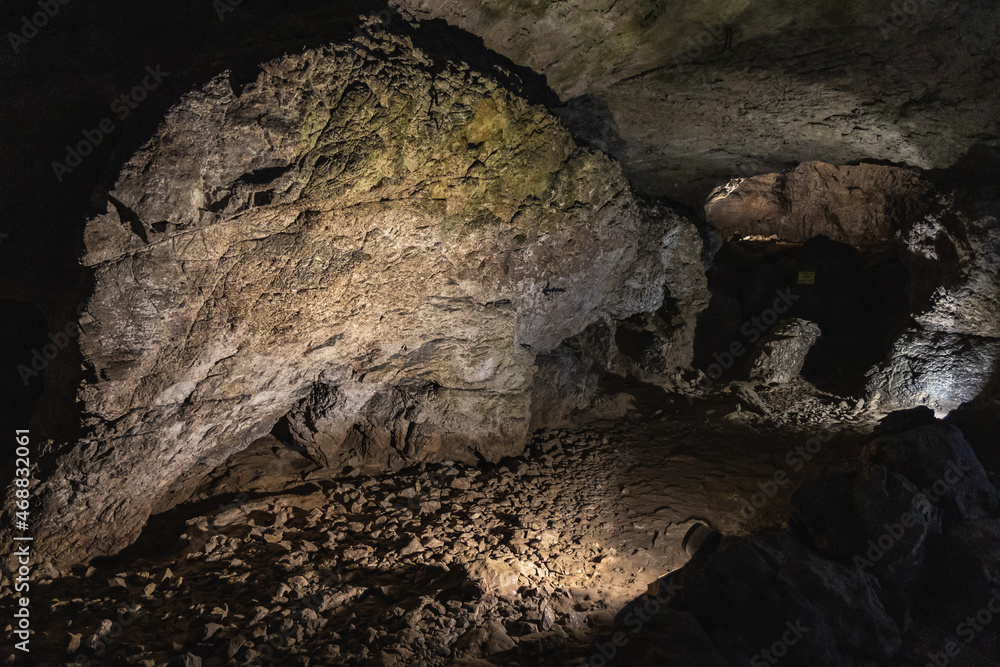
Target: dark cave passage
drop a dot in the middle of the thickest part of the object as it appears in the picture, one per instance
(859, 299)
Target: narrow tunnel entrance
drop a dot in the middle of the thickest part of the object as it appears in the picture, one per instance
(858, 299)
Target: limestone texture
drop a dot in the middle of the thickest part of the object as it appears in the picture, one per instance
(781, 353)
(369, 241)
(861, 205)
(950, 353)
(691, 94)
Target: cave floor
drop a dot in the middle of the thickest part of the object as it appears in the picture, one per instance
(520, 563)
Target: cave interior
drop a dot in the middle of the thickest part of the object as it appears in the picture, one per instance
(461, 334)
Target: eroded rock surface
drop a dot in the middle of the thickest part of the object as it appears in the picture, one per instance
(951, 353)
(385, 237)
(859, 205)
(688, 95)
(781, 353)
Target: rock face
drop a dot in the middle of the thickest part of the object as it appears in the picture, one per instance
(939, 460)
(688, 95)
(650, 347)
(861, 205)
(946, 352)
(844, 515)
(950, 354)
(834, 609)
(373, 242)
(781, 353)
(869, 573)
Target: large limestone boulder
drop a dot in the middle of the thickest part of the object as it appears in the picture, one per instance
(780, 355)
(846, 514)
(938, 460)
(951, 352)
(362, 234)
(754, 589)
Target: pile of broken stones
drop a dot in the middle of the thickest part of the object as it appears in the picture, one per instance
(884, 562)
(894, 560)
(439, 564)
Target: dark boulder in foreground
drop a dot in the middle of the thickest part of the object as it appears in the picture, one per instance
(866, 576)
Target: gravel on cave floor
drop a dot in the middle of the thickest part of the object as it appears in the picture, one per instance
(520, 563)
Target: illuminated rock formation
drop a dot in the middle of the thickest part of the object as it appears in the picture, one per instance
(390, 239)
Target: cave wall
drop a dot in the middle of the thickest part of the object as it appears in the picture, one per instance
(382, 241)
(690, 94)
(862, 205)
(951, 353)
(944, 227)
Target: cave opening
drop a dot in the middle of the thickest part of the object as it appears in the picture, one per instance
(859, 298)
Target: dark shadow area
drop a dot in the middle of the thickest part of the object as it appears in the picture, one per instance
(590, 120)
(282, 431)
(976, 175)
(22, 360)
(649, 400)
(859, 300)
(23, 337)
(979, 422)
